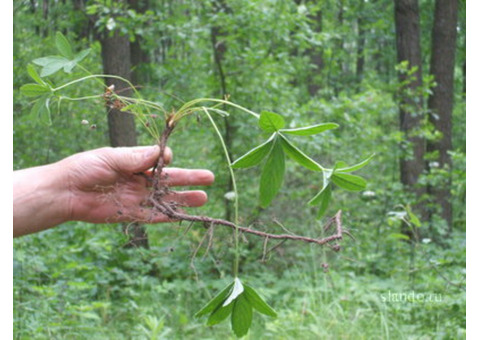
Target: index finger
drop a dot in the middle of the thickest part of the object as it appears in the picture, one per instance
(187, 177)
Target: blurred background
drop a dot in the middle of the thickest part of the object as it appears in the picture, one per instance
(390, 73)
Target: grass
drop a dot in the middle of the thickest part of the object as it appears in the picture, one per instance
(97, 290)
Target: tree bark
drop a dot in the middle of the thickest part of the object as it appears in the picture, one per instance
(316, 55)
(440, 102)
(138, 55)
(116, 61)
(360, 58)
(407, 24)
(45, 11)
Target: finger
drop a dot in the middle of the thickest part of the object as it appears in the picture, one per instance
(168, 155)
(194, 198)
(185, 177)
(131, 159)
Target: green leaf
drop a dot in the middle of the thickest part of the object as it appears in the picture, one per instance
(68, 67)
(63, 46)
(45, 60)
(236, 291)
(81, 55)
(41, 110)
(324, 200)
(413, 218)
(298, 156)
(272, 174)
(254, 156)
(344, 168)
(324, 196)
(220, 314)
(340, 164)
(51, 64)
(34, 90)
(241, 316)
(257, 302)
(32, 72)
(399, 236)
(310, 130)
(215, 302)
(349, 182)
(270, 122)
(50, 69)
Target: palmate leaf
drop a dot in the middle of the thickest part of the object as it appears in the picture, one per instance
(236, 291)
(322, 199)
(254, 156)
(237, 300)
(342, 167)
(348, 182)
(273, 172)
(81, 55)
(63, 46)
(34, 90)
(241, 316)
(34, 75)
(310, 130)
(298, 156)
(41, 110)
(270, 122)
(324, 196)
(257, 302)
(51, 64)
(216, 302)
(220, 314)
(67, 60)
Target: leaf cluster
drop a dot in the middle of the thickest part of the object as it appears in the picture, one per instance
(278, 146)
(237, 300)
(42, 88)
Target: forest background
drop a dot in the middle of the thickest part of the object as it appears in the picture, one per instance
(392, 74)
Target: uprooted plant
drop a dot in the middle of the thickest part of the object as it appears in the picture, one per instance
(237, 299)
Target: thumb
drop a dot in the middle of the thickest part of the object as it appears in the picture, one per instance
(134, 159)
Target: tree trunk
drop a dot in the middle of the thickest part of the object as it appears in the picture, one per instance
(340, 47)
(116, 61)
(138, 56)
(45, 11)
(121, 125)
(440, 102)
(316, 56)
(360, 62)
(407, 24)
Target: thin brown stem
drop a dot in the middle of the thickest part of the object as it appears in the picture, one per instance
(156, 200)
(173, 214)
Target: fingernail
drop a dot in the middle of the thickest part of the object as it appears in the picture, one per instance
(153, 150)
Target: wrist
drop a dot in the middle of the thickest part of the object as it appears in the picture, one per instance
(41, 198)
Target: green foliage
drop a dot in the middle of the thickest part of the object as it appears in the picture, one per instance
(234, 299)
(237, 300)
(78, 281)
(272, 174)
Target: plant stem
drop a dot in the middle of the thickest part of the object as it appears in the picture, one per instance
(175, 215)
(186, 106)
(234, 184)
(96, 96)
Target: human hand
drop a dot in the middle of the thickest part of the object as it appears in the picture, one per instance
(105, 185)
(99, 186)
